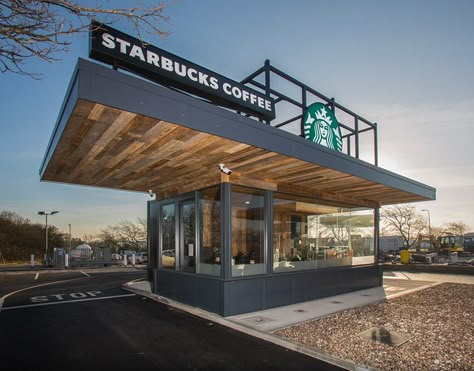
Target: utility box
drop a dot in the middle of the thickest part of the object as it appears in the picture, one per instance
(404, 256)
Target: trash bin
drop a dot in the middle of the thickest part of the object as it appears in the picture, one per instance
(404, 256)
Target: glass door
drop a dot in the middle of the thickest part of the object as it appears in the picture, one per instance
(187, 240)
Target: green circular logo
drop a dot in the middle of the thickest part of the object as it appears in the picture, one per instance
(321, 126)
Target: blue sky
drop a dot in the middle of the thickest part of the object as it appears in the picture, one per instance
(407, 65)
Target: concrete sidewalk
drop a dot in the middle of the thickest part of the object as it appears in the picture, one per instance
(276, 318)
(273, 319)
(434, 277)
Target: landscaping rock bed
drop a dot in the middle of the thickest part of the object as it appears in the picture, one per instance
(439, 321)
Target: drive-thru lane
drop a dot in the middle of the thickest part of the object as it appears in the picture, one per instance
(90, 323)
(13, 281)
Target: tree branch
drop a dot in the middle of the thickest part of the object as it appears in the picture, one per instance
(41, 28)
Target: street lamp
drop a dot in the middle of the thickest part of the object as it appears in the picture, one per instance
(429, 223)
(70, 237)
(46, 213)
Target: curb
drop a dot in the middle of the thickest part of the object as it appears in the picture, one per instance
(312, 352)
(69, 270)
(427, 268)
(406, 292)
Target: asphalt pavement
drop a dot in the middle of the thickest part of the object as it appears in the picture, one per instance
(88, 322)
(83, 319)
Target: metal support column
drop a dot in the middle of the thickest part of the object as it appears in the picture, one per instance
(376, 150)
(303, 108)
(376, 234)
(226, 236)
(268, 241)
(267, 83)
(356, 128)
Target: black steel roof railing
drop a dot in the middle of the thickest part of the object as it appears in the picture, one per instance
(352, 131)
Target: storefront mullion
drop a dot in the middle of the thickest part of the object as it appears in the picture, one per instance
(269, 231)
(197, 239)
(226, 220)
(376, 234)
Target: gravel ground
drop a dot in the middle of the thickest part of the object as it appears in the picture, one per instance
(439, 321)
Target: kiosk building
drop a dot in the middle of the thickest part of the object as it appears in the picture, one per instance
(247, 216)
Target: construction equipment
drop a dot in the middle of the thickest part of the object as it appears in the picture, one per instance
(451, 243)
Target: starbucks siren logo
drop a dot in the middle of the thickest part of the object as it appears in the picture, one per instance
(321, 126)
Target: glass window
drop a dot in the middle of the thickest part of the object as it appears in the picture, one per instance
(247, 231)
(168, 237)
(309, 235)
(187, 232)
(210, 232)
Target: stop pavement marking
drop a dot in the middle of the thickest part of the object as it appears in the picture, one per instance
(66, 298)
(74, 295)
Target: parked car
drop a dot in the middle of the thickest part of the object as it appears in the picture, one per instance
(140, 258)
(116, 257)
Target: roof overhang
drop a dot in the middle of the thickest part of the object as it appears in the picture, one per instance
(122, 132)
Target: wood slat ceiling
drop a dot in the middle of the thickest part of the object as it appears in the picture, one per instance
(106, 147)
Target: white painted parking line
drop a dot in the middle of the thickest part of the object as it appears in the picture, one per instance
(67, 302)
(36, 276)
(2, 299)
(84, 273)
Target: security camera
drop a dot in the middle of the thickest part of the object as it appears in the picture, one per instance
(150, 193)
(224, 169)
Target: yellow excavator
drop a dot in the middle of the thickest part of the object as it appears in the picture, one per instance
(451, 243)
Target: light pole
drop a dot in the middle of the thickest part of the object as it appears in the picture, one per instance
(46, 213)
(70, 237)
(429, 223)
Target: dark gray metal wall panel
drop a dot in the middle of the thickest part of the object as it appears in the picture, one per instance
(334, 282)
(341, 281)
(278, 291)
(154, 285)
(208, 294)
(165, 284)
(370, 276)
(185, 289)
(305, 286)
(228, 298)
(122, 91)
(243, 296)
(192, 290)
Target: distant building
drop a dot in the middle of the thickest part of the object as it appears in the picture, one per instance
(390, 243)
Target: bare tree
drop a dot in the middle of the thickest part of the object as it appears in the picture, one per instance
(125, 233)
(403, 220)
(41, 28)
(457, 228)
(88, 238)
(133, 234)
(110, 237)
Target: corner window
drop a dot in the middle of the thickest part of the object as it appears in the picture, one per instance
(309, 235)
(210, 257)
(248, 232)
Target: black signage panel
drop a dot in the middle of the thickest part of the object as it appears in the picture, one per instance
(119, 49)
